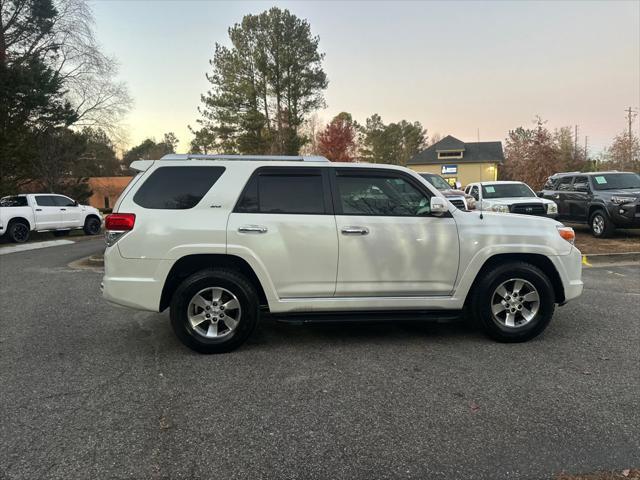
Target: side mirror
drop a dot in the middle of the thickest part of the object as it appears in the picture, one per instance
(540, 194)
(75, 203)
(439, 205)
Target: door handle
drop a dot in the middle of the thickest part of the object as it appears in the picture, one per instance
(63, 209)
(38, 209)
(355, 231)
(252, 229)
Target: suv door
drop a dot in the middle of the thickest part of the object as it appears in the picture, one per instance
(284, 218)
(389, 243)
(47, 212)
(578, 198)
(70, 212)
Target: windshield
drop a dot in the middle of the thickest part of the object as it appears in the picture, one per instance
(616, 181)
(13, 202)
(507, 190)
(437, 181)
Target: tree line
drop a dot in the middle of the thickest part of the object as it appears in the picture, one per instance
(61, 106)
(60, 102)
(534, 154)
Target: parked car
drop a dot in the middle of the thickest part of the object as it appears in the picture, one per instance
(604, 200)
(460, 199)
(510, 197)
(220, 239)
(44, 212)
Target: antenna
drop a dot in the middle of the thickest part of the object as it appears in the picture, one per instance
(481, 198)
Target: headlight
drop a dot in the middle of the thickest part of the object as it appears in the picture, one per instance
(621, 200)
(552, 208)
(500, 208)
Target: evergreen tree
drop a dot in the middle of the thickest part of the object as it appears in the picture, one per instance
(264, 85)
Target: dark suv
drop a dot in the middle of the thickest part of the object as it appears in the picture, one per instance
(604, 200)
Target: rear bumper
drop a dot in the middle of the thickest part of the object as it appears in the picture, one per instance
(133, 283)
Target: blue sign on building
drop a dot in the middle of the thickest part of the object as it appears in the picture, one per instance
(449, 169)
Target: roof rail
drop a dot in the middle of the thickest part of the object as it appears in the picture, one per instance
(272, 158)
(566, 173)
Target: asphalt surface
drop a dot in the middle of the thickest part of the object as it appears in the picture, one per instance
(90, 390)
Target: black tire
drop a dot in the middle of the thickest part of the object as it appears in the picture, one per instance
(18, 231)
(92, 226)
(601, 225)
(229, 280)
(483, 294)
(61, 233)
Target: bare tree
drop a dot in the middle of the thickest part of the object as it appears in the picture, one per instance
(99, 99)
(68, 46)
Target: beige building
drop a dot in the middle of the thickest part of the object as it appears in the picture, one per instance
(106, 190)
(461, 162)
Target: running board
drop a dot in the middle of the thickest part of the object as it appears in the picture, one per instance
(440, 316)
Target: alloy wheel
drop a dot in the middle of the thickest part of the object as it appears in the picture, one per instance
(515, 303)
(214, 312)
(598, 224)
(20, 232)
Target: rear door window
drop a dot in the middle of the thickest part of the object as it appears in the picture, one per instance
(177, 188)
(290, 191)
(13, 202)
(46, 201)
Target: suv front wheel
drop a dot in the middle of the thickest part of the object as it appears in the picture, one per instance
(214, 310)
(601, 226)
(513, 302)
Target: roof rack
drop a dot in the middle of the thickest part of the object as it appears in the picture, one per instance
(257, 158)
(584, 173)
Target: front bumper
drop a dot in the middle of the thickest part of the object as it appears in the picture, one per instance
(569, 268)
(626, 215)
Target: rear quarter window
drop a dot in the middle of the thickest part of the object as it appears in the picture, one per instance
(176, 188)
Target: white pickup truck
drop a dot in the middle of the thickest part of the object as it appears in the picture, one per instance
(43, 212)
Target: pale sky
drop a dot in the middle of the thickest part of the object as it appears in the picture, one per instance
(454, 66)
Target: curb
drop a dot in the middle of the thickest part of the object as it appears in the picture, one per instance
(96, 259)
(610, 258)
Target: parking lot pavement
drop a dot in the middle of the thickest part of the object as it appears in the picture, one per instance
(89, 390)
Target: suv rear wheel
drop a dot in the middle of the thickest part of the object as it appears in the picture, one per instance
(600, 224)
(513, 302)
(214, 311)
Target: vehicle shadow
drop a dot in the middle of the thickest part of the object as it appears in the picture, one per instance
(154, 330)
(271, 333)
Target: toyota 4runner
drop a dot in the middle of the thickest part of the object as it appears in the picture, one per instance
(604, 200)
(221, 240)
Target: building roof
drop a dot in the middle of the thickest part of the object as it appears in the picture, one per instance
(473, 152)
(449, 143)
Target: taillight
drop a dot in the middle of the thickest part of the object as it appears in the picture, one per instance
(120, 221)
(116, 225)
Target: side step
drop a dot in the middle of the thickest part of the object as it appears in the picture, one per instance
(440, 316)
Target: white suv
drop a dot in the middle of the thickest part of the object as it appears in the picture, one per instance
(220, 239)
